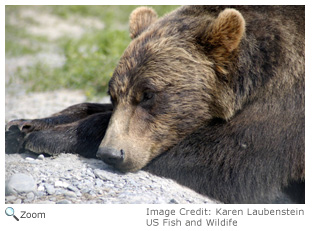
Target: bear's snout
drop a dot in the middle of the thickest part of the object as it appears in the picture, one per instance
(111, 156)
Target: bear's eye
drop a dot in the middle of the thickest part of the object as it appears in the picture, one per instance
(147, 96)
(147, 99)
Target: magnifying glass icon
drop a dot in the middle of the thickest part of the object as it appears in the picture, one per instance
(9, 211)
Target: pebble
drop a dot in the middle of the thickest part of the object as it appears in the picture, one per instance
(99, 183)
(10, 198)
(78, 194)
(72, 188)
(64, 202)
(50, 189)
(30, 195)
(29, 159)
(40, 157)
(173, 201)
(85, 190)
(40, 188)
(101, 174)
(89, 173)
(61, 184)
(20, 183)
(45, 202)
(40, 193)
(70, 179)
(18, 201)
(70, 194)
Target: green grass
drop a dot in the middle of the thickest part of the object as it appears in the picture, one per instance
(90, 62)
(90, 59)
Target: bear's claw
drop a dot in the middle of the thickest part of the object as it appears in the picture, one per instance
(23, 125)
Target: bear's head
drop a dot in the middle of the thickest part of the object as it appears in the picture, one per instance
(173, 78)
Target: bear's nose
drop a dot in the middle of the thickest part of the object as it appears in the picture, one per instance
(111, 156)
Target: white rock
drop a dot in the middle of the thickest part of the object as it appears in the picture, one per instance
(61, 184)
(20, 183)
(41, 157)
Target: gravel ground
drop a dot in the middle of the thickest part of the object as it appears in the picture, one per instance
(69, 178)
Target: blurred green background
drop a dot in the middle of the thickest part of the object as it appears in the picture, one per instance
(75, 47)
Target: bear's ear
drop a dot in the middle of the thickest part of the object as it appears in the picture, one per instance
(140, 19)
(227, 30)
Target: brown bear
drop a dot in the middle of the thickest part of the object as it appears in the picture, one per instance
(210, 96)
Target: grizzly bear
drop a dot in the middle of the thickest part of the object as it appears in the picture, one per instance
(210, 96)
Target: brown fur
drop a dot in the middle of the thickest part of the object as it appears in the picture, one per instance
(239, 65)
(140, 19)
(172, 41)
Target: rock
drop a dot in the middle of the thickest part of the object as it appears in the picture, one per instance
(69, 179)
(73, 188)
(18, 201)
(101, 174)
(20, 183)
(70, 194)
(9, 199)
(173, 201)
(90, 173)
(40, 157)
(40, 194)
(30, 196)
(98, 183)
(50, 189)
(40, 187)
(29, 159)
(61, 184)
(45, 202)
(85, 190)
(78, 194)
(64, 202)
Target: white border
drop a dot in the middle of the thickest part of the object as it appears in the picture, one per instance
(107, 217)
